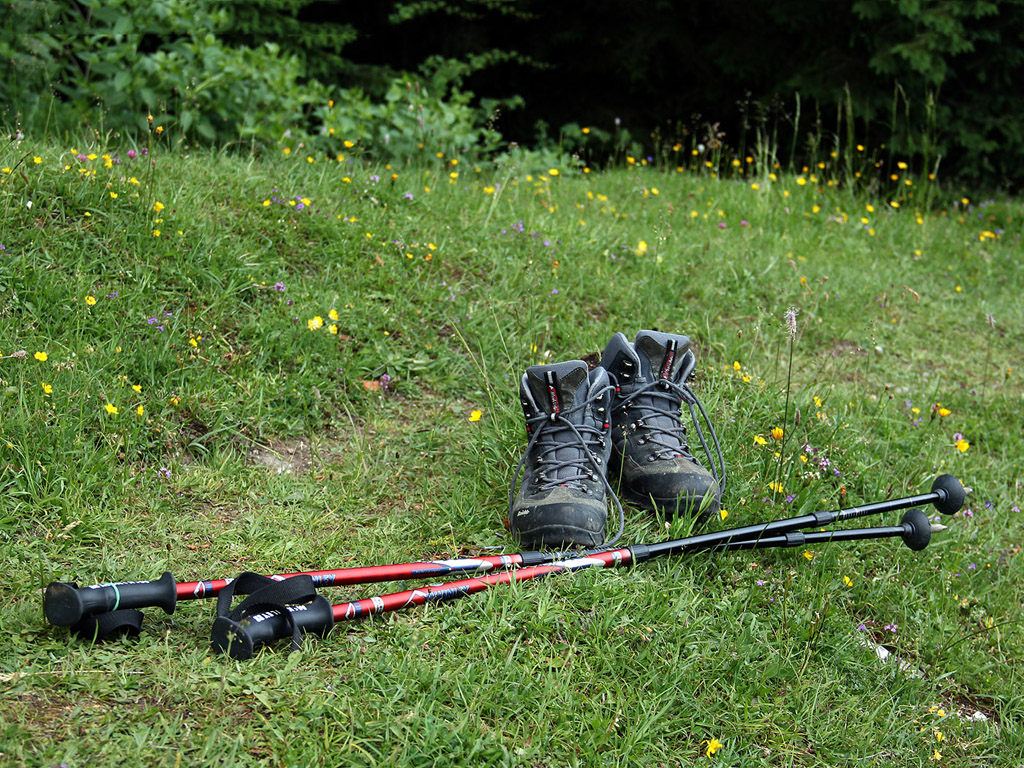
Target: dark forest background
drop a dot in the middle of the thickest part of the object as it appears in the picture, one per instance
(936, 83)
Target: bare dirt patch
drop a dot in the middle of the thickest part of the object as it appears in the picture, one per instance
(846, 347)
(283, 457)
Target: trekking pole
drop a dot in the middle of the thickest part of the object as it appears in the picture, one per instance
(67, 604)
(241, 637)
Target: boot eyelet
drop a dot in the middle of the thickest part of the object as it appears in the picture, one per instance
(651, 457)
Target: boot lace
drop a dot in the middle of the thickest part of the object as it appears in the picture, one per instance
(658, 405)
(550, 433)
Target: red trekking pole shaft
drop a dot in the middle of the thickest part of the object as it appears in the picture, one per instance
(372, 574)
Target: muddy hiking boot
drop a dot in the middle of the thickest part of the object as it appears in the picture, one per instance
(651, 460)
(563, 489)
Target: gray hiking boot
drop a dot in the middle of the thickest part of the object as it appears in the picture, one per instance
(650, 458)
(561, 500)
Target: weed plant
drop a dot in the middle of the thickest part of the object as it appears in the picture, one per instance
(214, 363)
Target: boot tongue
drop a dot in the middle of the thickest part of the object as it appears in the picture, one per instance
(661, 354)
(557, 388)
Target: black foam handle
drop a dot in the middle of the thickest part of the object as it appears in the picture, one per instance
(66, 604)
(241, 638)
(100, 627)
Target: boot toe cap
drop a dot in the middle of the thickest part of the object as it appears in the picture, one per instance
(559, 523)
(678, 487)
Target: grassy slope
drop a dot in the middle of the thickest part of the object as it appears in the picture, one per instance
(446, 296)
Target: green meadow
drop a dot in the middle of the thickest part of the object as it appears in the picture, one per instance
(218, 362)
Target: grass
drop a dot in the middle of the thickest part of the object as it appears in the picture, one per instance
(188, 285)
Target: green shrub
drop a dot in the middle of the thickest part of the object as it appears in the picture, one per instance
(202, 70)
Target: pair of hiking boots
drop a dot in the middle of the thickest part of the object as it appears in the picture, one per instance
(618, 423)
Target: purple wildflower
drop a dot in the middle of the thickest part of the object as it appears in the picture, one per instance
(164, 473)
(131, 154)
(279, 286)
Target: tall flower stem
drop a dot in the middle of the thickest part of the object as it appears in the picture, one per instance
(791, 332)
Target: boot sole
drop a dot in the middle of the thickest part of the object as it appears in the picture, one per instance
(559, 537)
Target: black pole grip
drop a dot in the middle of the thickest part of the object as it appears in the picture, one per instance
(241, 638)
(66, 605)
